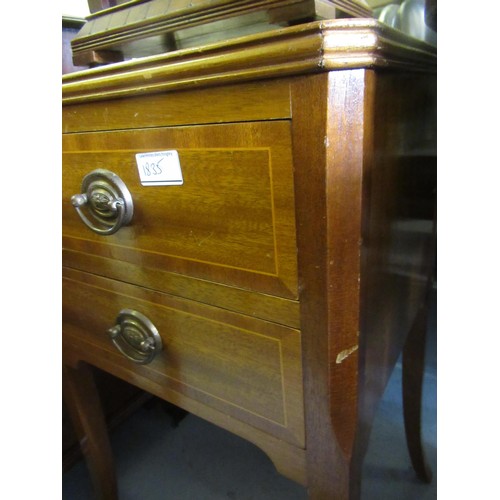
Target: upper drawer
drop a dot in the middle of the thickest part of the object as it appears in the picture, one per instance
(232, 221)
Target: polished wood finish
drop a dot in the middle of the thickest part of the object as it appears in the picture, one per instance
(413, 370)
(306, 48)
(243, 367)
(289, 459)
(84, 406)
(328, 118)
(397, 229)
(355, 315)
(269, 100)
(119, 400)
(232, 221)
(257, 305)
(147, 27)
(351, 143)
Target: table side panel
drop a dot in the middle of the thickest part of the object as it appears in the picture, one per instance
(398, 221)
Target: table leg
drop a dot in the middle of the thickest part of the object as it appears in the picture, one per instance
(413, 374)
(84, 407)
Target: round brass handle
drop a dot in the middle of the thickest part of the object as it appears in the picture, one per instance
(108, 201)
(135, 336)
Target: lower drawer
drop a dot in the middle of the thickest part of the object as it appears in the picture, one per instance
(243, 367)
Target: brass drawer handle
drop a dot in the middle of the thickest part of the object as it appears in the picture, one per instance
(135, 336)
(108, 201)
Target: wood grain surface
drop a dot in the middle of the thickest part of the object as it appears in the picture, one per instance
(316, 210)
(232, 103)
(305, 48)
(241, 366)
(232, 221)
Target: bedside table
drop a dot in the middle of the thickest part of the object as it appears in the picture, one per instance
(248, 233)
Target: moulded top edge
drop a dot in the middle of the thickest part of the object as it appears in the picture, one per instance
(311, 47)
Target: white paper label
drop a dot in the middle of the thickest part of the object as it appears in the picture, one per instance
(159, 169)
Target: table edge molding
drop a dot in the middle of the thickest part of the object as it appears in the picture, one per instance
(309, 48)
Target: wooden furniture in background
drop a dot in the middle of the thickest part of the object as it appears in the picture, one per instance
(70, 29)
(138, 28)
(286, 273)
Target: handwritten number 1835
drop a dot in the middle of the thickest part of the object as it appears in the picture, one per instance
(152, 168)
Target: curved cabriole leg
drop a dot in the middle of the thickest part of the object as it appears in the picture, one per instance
(84, 407)
(413, 374)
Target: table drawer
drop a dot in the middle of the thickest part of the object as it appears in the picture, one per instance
(246, 368)
(232, 220)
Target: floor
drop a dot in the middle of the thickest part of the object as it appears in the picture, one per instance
(195, 460)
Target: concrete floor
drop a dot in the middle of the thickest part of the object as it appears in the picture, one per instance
(198, 461)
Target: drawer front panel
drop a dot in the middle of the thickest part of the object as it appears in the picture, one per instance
(232, 221)
(257, 305)
(264, 100)
(247, 368)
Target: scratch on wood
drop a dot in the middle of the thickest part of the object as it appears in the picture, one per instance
(345, 354)
(200, 241)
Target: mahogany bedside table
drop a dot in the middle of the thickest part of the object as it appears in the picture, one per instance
(246, 235)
